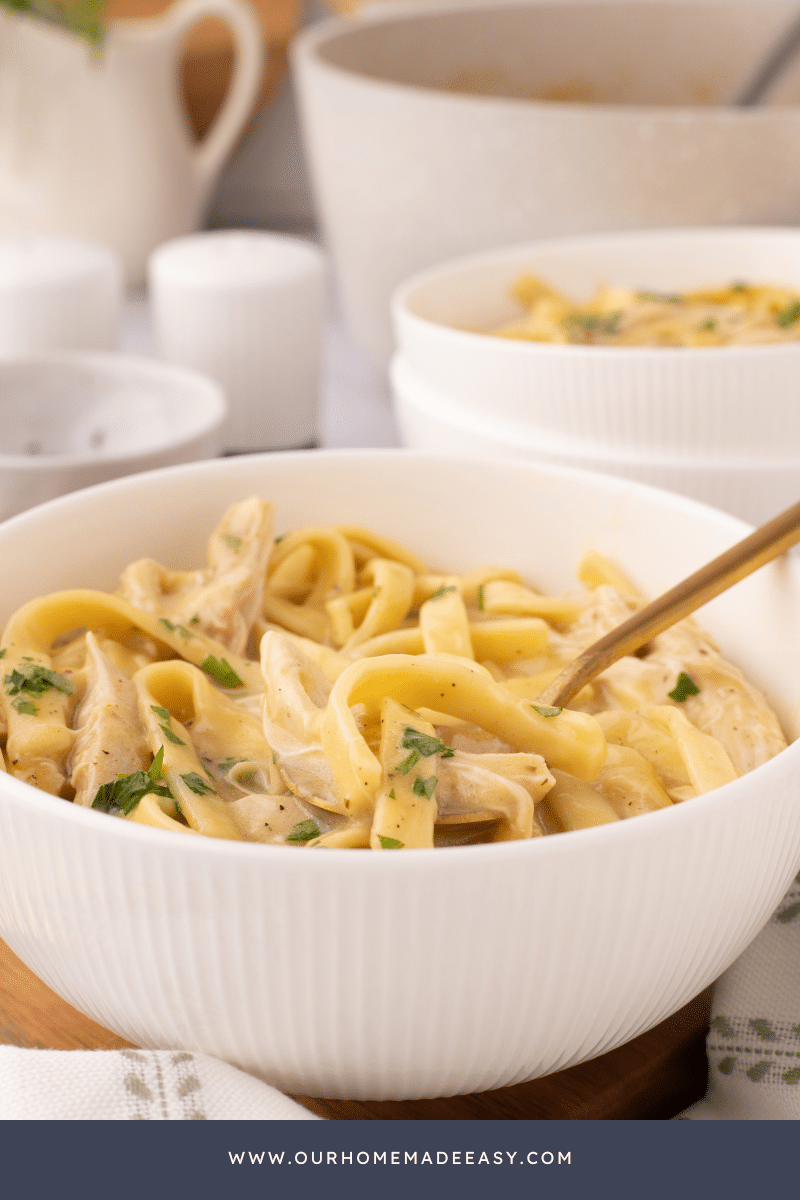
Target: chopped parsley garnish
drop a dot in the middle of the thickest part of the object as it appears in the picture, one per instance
(593, 324)
(707, 326)
(405, 766)
(789, 315)
(166, 726)
(35, 679)
(392, 795)
(222, 671)
(546, 710)
(442, 591)
(424, 744)
(480, 595)
(304, 831)
(181, 629)
(2, 653)
(424, 787)
(662, 297)
(126, 791)
(684, 688)
(228, 764)
(197, 784)
(234, 542)
(390, 843)
(24, 706)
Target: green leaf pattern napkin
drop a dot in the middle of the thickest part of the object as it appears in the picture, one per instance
(753, 1044)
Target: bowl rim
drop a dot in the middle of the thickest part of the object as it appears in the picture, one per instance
(403, 294)
(308, 46)
(119, 831)
(206, 411)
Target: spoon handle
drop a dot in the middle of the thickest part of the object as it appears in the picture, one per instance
(766, 543)
(773, 66)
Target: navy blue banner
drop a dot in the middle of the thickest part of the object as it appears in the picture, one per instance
(420, 1159)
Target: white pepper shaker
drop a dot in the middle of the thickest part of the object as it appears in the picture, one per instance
(247, 309)
(58, 293)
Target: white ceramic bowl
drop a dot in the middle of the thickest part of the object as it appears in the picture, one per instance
(696, 404)
(356, 974)
(753, 488)
(75, 419)
(425, 139)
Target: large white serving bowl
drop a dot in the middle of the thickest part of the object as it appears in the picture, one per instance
(75, 418)
(752, 487)
(359, 974)
(432, 133)
(693, 404)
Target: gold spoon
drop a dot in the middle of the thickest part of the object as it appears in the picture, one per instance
(766, 543)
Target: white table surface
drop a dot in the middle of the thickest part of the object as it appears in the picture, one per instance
(355, 400)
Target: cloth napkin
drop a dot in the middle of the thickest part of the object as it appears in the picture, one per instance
(134, 1085)
(753, 1045)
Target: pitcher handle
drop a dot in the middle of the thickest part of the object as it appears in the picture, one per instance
(248, 72)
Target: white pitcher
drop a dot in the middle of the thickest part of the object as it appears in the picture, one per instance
(97, 143)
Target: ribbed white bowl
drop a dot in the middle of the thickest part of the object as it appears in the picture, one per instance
(754, 489)
(426, 972)
(707, 403)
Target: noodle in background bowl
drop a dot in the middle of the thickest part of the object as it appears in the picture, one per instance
(686, 406)
(423, 972)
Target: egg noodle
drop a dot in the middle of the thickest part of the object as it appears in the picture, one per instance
(741, 314)
(328, 688)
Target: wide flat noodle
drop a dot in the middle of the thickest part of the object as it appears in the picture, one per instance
(329, 689)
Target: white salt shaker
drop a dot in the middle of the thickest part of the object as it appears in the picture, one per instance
(58, 293)
(247, 309)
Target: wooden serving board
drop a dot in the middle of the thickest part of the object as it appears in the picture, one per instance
(653, 1077)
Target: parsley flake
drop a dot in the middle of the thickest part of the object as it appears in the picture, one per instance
(234, 542)
(789, 315)
(35, 679)
(684, 688)
(390, 843)
(546, 710)
(589, 325)
(480, 595)
(662, 297)
(424, 787)
(2, 653)
(166, 726)
(197, 784)
(222, 671)
(442, 591)
(21, 705)
(424, 744)
(181, 629)
(405, 766)
(126, 791)
(303, 831)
